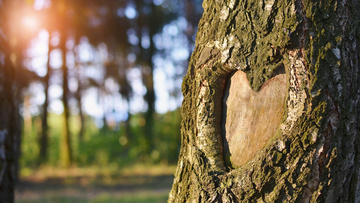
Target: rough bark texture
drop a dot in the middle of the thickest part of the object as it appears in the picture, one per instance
(314, 154)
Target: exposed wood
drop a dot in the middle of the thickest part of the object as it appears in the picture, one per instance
(251, 118)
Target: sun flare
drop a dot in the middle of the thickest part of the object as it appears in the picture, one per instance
(30, 22)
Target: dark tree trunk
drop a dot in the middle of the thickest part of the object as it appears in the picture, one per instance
(44, 123)
(66, 151)
(149, 82)
(9, 113)
(148, 77)
(146, 25)
(128, 134)
(238, 148)
(81, 114)
(78, 96)
(9, 128)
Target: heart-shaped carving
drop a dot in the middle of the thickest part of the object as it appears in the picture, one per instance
(250, 118)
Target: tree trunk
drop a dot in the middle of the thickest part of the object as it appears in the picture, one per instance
(66, 152)
(44, 121)
(81, 114)
(239, 144)
(9, 113)
(127, 122)
(78, 97)
(9, 131)
(148, 22)
(28, 123)
(149, 97)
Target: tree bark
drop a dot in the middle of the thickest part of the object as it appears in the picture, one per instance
(313, 155)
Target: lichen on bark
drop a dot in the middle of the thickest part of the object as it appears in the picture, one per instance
(314, 154)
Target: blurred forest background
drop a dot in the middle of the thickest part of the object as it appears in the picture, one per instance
(98, 83)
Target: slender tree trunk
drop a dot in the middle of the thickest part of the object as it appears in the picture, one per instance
(66, 151)
(81, 114)
(44, 122)
(149, 83)
(150, 96)
(125, 91)
(149, 114)
(128, 134)
(146, 56)
(28, 123)
(78, 96)
(253, 50)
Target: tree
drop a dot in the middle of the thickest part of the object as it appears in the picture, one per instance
(66, 140)
(9, 128)
(11, 84)
(43, 156)
(74, 25)
(308, 49)
(9, 119)
(152, 18)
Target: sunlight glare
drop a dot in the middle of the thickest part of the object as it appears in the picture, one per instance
(40, 4)
(30, 22)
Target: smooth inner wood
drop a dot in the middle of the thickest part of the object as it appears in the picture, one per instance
(250, 118)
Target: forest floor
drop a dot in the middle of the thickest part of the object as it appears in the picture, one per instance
(130, 185)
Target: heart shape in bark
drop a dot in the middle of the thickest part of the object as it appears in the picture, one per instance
(250, 118)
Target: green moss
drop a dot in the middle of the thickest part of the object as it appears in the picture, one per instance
(277, 157)
(257, 35)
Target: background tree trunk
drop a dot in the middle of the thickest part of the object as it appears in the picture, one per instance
(66, 152)
(9, 129)
(10, 125)
(78, 97)
(44, 122)
(314, 153)
(146, 27)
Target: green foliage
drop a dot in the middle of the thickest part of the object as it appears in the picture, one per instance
(150, 198)
(106, 147)
(167, 137)
(103, 197)
(29, 147)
